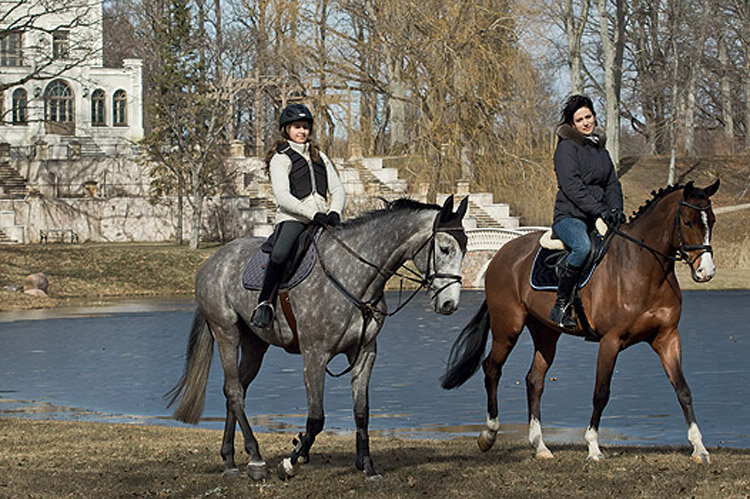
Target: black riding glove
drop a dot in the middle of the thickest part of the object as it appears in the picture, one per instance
(614, 217)
(319, 218)
(333, 218)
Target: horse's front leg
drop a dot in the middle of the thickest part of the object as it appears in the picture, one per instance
(609, 348)
(360, 393)
(545, 346)
(314, 374)
(667, 345)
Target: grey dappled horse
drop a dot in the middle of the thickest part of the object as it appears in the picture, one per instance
(339, 309)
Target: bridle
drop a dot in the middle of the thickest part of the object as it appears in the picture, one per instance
(369, 308)
(682, 254)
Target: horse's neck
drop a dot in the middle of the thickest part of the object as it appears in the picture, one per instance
(655, 229)
(386, 243)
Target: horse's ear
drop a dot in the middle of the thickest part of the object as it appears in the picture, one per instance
(711, 189)
(448, 204)
(687, 191)
(462, 206)
(447, 210)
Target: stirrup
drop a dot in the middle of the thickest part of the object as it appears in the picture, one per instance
(263, 315)
(562, 316)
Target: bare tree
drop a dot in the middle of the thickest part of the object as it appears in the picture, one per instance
(47, 38)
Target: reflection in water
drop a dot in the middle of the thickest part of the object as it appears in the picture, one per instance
(113, 364)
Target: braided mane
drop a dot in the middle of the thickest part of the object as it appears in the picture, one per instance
(656, 196)
(390, 207)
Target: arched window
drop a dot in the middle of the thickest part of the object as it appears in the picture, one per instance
(97, 108)
(19, 110)
(58, 108)
(119, 108)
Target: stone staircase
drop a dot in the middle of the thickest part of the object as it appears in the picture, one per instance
(82, 146)
(484, 221)
(12, 184)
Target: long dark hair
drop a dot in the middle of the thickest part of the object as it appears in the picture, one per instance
(314, 147)
(573, 104)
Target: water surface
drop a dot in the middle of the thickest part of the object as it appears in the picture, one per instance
(113, 364)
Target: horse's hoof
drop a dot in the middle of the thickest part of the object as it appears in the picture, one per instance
(595, 458)
(231, 472)
(544, 454)
(257, 471)
(701, 458)
(286, 469)
(373, 478)
(486, 440)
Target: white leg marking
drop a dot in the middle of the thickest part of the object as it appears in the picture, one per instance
(493, 424)
(592, 437)
(289, 468)
(487, 437)
(535, 439)
(700, 454)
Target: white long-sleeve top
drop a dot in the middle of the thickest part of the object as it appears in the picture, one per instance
(303, 210)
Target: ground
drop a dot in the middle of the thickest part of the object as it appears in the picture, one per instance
(56, 459)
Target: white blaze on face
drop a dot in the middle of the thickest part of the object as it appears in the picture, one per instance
(706, 270)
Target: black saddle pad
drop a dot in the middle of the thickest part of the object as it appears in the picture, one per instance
(252, 276)
(543, 275)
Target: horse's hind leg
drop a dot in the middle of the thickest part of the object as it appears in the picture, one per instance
(504, 337)
(545, 346)
(228, 340)
(668, 347)
(360, 387)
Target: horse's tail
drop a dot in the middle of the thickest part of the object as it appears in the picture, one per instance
(467, 351)
(191, 389)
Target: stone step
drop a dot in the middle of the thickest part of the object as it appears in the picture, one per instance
(12, 184)
(484, 220)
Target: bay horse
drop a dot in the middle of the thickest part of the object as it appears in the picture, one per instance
(633, 296)
(339, 309)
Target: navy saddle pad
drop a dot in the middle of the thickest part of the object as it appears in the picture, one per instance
(544, 277)
(252, 276)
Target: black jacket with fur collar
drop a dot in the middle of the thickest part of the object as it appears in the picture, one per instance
(586, 178)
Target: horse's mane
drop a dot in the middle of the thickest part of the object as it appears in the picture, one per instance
(656, 196)
(401, 204)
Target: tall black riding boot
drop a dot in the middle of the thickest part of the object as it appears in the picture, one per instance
(263, 314)
(562, 312)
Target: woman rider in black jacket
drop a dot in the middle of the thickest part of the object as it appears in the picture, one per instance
(588, 188)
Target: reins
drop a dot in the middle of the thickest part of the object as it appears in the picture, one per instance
(369, 309)
(682, 250)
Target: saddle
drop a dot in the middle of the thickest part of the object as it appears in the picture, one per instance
(552, 253)
(297, 269)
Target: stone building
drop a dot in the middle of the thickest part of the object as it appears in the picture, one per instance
(59, 95)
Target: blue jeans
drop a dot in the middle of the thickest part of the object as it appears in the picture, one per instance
(574, 233)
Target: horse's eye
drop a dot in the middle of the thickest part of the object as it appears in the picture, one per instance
(687, 223)
(445, 250)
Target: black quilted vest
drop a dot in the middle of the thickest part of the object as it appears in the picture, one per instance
(300, 183)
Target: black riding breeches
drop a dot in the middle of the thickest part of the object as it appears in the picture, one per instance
(286, 237)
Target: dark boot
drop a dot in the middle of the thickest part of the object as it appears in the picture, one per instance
(562, 312)
(264, 314)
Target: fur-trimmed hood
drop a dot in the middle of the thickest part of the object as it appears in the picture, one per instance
(565, 131)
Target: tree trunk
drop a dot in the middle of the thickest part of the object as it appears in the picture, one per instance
(726, 94)
(613, 53)
(574, 32)
(180, 203)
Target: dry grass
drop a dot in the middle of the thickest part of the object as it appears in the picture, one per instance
(56, 459)
(97, 272)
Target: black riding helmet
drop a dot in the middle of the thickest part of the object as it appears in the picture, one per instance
(294, 112)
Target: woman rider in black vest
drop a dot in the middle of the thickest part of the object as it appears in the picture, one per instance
(588, 188)
(303, 180)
